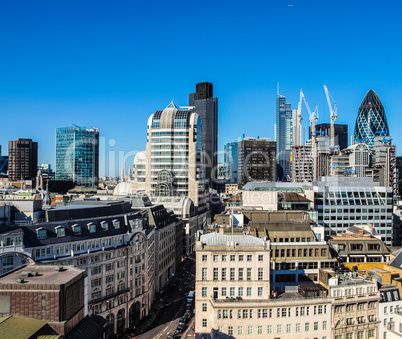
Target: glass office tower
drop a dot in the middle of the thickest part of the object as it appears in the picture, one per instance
(283, 137)
(371, 119)
(77, 155)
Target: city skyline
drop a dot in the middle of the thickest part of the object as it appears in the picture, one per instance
(104, 65)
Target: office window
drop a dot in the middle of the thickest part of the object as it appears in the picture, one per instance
(240, 330)
(232, 257)
(259, 329)
(260, 257)
(315, 325)
(279, 329)
(223, 291)
(241, 271)
(371, 333)
(204, 322)
(232, 291)
(204, 292)
(215, 276)
(349, 335)
(204, 257)
(224, 273)
(298, 327)
(241, 257)
(224, 257)
(324, 325)
(360, 335)
(204, 307)
(248, 273)
(204, 273)
(288, 328)
(230, 330)
(269, 329)
(307, 327)
(216, 257)
(259, 291)
(250, 330)
(260, 273)
(249, 257)
(232, 274)
(249, 291)
(240, 291)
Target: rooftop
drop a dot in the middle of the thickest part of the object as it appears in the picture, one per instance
(40, 274)
(218, 239)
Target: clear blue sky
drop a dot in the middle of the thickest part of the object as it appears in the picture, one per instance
(111, 64)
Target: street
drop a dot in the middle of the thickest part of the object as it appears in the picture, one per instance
(174, 303)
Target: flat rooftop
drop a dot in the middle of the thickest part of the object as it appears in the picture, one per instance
(41, 274)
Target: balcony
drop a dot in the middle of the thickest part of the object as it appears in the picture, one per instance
(110, 296)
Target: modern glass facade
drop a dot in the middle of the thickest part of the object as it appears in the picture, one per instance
(231, 160)
(371, 119)
(77, 155)
(343, 202)
(283, 137)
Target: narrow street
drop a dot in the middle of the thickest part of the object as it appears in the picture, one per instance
(174, 304)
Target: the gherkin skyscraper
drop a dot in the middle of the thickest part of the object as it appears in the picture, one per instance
(371, 119)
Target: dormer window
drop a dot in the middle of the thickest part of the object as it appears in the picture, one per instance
(76, 229)
(104, 225)
(91, 227)
(60, 231)
(116, 223)
(42, 233)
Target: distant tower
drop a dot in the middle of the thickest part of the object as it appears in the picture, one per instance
(129, 174)
(22, 159)
(206, 106)
(122, 175)
(283, 137)
(371, 119)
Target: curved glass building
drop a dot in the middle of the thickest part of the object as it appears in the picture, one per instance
(371, 119)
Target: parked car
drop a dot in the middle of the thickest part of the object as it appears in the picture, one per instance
(182, 321)
(179, 329)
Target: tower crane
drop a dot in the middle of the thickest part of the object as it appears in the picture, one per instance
(313, 115)
(334, 115)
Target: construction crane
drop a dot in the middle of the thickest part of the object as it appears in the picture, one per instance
(334, 115)
(299, 119)
(313, 115)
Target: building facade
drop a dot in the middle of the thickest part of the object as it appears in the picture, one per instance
(256, 160)
(341, 133)
(22, 159)
(77, 155)
(343, 202)
(206, 106)
(231, 162)
(301, 163)
(174, 147)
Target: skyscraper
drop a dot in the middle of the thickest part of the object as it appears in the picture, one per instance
(256, 160)
(283, 137)
(230, 158)
(371, 119)
(22, 159)
(341, 133)
(206, 106)
(174, 147)
(77, 155)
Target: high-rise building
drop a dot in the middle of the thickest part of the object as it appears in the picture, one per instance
(230, 158)
(77, 155)
(283, 137)
(302, 163)
(22, 159)
(256, 160)
(206, 106)
(3, 163)
(341, 133)
(174, 147)
(371, 119)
